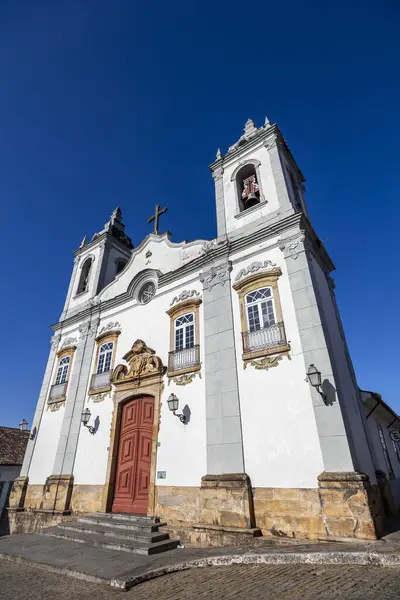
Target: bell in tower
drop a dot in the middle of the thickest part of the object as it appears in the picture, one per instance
(251, 192)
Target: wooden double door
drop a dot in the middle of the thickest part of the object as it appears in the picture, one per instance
(132, 480)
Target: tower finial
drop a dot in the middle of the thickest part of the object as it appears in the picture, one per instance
(249, 128)
(83, 242)
(219, 155)
(116, 215)
(267, 123)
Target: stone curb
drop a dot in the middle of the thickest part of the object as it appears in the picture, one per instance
(52, 569)
(272, 558)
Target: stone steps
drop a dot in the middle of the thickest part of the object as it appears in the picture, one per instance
(145, 536)
(138, 524)
(127, 533)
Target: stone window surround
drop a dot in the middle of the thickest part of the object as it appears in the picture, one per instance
(192, 306)
(62, 353)
(103, 338)
(250, 284)
(256, 164)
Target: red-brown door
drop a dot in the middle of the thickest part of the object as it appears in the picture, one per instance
(132, 478)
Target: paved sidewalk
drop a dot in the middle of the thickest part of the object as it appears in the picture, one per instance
(237, 582)
(124, 570)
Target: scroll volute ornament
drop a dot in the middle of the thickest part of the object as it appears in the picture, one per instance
(142, 362)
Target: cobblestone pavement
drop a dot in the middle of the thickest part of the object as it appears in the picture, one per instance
(238, 582)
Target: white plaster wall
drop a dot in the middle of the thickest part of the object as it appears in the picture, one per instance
(48, 433)
(182, 450)
(267, 184)
(162, 255)
(92, 452)
(349, 400)
(46, 446)
(281, 444)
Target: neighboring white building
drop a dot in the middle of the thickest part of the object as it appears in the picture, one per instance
(230, 328)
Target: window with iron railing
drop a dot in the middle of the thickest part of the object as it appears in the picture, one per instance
(263, 330)
(184, 359)
(101, 379)
(57, 391)
(265, 337)
(186, 353)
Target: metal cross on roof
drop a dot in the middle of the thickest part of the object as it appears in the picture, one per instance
(156, 217)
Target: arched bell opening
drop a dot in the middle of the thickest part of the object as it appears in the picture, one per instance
(83, 285)
(248, 188)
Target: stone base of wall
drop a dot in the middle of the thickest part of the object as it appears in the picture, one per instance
(350, 506)
(38, 510)
(225, 510)
(283, 512)
(223, 500)
(29, 521)
(18, 492)
(226, 500)
(208, 536)
(57, 493)
(344, 506)
(86, 498)
(289, 512)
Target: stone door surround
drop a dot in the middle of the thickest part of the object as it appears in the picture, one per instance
(129, 384)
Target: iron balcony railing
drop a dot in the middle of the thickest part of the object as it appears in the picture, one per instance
(100, 380)
(58, 391)
(267, 337)
(184, 359)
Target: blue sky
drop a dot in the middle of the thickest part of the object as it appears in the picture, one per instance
(118, 102)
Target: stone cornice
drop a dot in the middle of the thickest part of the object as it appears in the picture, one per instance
(265, 136)
(249, 144)
(223, 248)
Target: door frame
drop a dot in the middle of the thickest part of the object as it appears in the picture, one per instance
(154, 387)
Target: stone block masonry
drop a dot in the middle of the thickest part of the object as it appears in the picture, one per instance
(344, 506)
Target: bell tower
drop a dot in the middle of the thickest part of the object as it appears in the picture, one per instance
(97, 262)
(257, 181)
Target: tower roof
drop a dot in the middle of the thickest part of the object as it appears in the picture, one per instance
(116, 228)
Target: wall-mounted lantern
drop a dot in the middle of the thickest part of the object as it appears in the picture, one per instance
(85, 418)
(315, 379)
(173, 404)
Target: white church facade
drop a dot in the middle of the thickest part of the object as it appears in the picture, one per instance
(208, 383)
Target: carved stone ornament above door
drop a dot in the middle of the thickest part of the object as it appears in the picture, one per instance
(142, 364)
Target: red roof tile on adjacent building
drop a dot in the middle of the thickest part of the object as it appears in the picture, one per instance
(12, 445)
